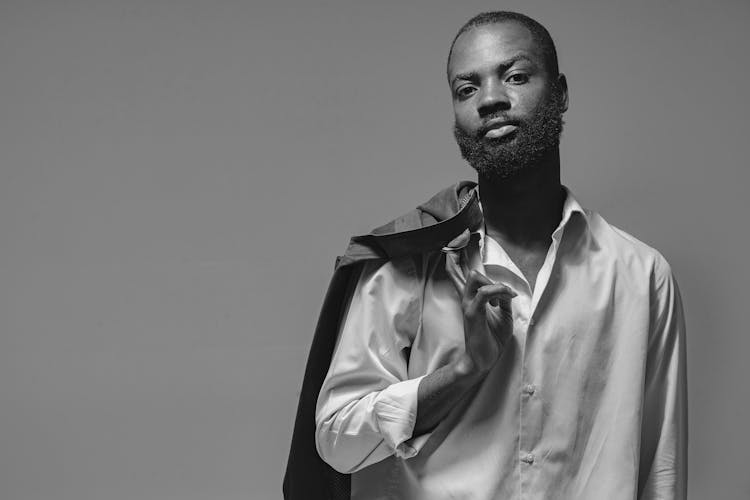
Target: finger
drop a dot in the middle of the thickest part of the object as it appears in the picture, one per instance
(455, 272)
(504, 309)
(500, 325)
(502, 335)
(474, 282)
(496, 293)
(502, 298)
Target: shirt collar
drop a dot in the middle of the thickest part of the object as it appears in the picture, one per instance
(571, 206)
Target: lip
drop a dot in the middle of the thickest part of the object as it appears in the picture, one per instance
(499, 129)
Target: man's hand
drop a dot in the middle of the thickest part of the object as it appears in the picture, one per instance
(488, 322)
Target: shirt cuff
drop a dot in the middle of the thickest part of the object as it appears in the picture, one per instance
(396, 414)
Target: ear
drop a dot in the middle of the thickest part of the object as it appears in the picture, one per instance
(562, 85)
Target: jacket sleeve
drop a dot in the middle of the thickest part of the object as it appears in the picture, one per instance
(663, 473)
(367, 405)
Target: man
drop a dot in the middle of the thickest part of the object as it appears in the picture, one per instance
(500, 342)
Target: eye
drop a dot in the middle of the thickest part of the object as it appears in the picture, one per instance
(518, 78)
(465, 91)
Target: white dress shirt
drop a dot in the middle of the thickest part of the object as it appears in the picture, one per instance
(587, 401)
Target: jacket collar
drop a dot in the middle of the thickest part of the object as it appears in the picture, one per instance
(429, 227)
(432, 225)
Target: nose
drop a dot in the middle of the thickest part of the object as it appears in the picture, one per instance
(493, 98)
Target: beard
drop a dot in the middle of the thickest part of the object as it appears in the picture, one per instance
(505, 157)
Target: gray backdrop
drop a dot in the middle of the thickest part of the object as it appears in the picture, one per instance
(176, 178)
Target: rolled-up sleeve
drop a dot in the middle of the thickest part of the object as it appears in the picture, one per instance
(367, 405)
(663, 474)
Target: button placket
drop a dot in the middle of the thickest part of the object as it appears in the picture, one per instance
(528, 432)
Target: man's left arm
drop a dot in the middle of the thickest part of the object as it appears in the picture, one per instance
(663, 456)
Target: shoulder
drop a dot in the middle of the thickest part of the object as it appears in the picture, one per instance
(397, 269)
(425, 228)
(627, 250)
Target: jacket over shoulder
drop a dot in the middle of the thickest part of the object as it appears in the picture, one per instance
(428, 227)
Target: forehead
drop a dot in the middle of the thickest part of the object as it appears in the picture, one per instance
(486, 45)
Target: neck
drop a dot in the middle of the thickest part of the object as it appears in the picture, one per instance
(526, 208)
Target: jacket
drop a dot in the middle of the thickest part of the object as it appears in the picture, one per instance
(427, 228)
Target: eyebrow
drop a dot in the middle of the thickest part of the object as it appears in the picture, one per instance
(503, 66)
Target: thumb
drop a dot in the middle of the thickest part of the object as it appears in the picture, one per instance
(453, 268)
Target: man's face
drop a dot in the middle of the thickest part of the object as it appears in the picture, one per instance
(508, 108)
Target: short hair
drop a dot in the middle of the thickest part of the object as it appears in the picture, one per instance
(538, 32)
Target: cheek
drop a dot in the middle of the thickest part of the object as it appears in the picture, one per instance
(531, 101)
(465, 119)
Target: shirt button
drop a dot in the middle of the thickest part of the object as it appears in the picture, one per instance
(529, 459)
(529, 389)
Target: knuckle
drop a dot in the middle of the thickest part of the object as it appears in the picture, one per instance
(486, 293)
(471, 312)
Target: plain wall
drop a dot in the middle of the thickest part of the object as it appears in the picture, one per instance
(176, 178)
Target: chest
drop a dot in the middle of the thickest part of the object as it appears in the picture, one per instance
(528, 262)
(529, 258)
(583, 301)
